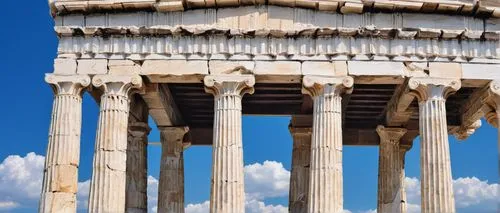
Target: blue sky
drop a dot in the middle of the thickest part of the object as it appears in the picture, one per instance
(28, 46)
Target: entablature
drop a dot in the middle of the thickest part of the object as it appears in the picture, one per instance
(459, 7)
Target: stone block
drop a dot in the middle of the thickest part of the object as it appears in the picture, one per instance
(58, 202)
(229, 67)
(64, 178)
(481, 71)
(445, 70)
(174, 67)
(278, 71)
(65, 66)
(375, 68)
(336, 68)
(123, 67)
(169, 71)
(92, 66)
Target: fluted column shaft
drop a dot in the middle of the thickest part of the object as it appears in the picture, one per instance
(299, 178)
(171, 186)
(60, 181)
(137, 168)
(436, 185)
(108, 186)
(227, 190)
(390, 170)
(325, 178)
(402, 154)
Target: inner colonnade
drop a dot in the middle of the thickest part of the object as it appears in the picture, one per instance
(349, 73)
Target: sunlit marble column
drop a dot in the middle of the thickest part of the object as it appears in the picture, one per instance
(325, 179)
(299, 177)
(171, 187)
(436, 178)
(493, 117)
(137, 168)
(227, 190)
(390, 170)
(108, 186)
(60, 180)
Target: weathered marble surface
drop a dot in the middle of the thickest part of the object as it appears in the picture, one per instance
(108, 185)
(437, 188)
(299, 177)
(60, 179)
(171, 186)
(137, 168)
(227, 193)
(325, 180)
(391, 174)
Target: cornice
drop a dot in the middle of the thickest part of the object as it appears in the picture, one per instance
(487, 8)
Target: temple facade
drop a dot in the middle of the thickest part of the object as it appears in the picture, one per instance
(348, 72)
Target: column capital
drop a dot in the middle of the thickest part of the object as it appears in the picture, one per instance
(492, 118)
(300, 130)
(425, 88)
(117, 84)
(218, 85)
(67, 84)
(176, 132)
(390, 135)
(139, 129)
(318, 85)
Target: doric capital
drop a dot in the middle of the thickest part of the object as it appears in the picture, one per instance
(117, 84)
(67, 84)
(229, 84)
(390, 135)
(433, 88)
(304, 131)
(174, 132)
(320, 85)
(139, 129)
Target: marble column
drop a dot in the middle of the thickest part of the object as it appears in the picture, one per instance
(436, 178)
(227, 188)
(108, 185)
(299, 177)
(390, 170)
(402, 154)
(325, 178)
(493, 117)
(137, 168)
(171, 186)
(60, 180)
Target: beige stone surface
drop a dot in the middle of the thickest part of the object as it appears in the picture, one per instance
(162, 71)
(60, 178)
(230, 67)
(391, 170)
(335, 68)
(108, 185)
(227, 194)
(436, 185)
(278, 71)
(137, 174)
(325, 179)
(64, 66)
(299, 177)
(171, 186)
(92, 66)
(123, 67)
(445, 70)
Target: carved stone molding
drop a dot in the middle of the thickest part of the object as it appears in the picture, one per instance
(120, 85)
(322, 85)
(433, 88)
(221, 85)
(67, 84)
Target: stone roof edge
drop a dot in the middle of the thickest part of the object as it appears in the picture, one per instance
(483, 8)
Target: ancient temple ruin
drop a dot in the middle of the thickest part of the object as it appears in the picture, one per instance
(349, 72)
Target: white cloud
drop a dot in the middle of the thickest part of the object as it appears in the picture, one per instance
(470, 193)
(82, 196)
(198, 207)
(152, 194)
(266, 180)
(21, 182)
(255, 206)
